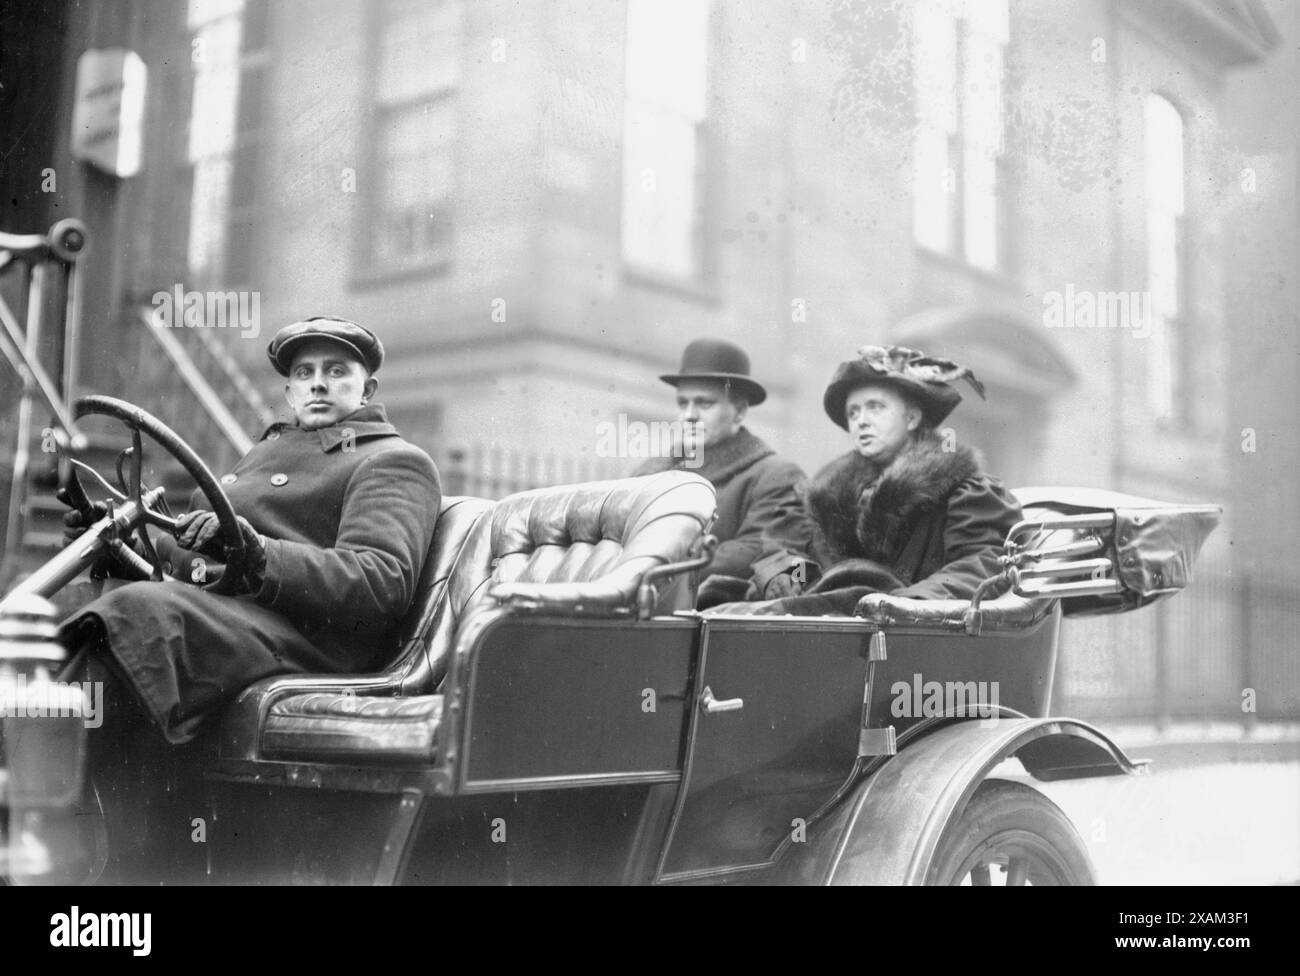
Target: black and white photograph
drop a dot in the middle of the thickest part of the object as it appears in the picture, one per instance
(650, 442)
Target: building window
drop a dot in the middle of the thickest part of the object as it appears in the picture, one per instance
(663, 137)
(250, 135)
(229, 54)
(1166, 251)
(417, 73)
(959, 49)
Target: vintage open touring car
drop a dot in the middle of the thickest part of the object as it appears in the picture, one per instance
(557, 712)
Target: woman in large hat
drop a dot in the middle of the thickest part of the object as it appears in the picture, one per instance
(901, 512)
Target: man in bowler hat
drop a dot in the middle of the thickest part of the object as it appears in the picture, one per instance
(759, 510)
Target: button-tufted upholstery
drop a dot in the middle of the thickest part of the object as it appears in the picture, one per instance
(426, 658)
(572, 548)
(419, 660)
(338, 725)
(589, 545)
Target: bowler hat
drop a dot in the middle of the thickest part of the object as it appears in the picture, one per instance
(924, 379)
(716, 359)
(361, 342)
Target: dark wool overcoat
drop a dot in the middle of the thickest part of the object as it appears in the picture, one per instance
(759, 509)
(348, 512)
(930, 525)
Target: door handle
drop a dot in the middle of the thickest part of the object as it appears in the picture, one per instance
(713, 705)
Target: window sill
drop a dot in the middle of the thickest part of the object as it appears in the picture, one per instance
(681, 287)
(366, 278)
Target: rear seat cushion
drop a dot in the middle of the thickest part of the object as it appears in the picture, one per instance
(330, 725)
(592, 541)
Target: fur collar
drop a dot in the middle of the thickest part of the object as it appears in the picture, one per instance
(719, 463)
(863, 512)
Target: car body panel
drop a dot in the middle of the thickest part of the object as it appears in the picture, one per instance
(887, 831)
(558, 706)
(754, 772)
(553, 702)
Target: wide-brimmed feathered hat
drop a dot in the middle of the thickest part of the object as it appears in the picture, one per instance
(717, 359)
(926, 379)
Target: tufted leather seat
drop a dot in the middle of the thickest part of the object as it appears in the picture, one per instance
(420, 660)
(573, 548)
(345, 724)
(424, 659)
(586, 547)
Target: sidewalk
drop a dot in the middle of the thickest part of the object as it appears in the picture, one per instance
(1205, 743)
(1217, 806)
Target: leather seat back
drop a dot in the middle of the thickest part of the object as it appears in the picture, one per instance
(570, 545)
(457, 517)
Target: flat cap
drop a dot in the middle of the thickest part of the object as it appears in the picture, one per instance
(360, 341)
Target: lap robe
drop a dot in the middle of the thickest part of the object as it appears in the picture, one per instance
(186, 652)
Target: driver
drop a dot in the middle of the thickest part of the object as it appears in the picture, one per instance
(337, 512)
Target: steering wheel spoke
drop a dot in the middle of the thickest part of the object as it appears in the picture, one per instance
(73, 483)
(162, 521)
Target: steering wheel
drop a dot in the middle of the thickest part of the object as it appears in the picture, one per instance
(138, 421)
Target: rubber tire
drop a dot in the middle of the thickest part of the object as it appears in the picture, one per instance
(1002, 812)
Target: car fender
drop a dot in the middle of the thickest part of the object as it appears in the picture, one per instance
(887, 828)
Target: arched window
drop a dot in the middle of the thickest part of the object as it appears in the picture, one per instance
(1166, 254)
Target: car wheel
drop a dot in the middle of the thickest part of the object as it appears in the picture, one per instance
(1010, 834)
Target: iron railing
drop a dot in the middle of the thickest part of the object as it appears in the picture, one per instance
(43, 262)
(494, 471)
(1223, 650)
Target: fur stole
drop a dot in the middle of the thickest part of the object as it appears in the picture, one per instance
(861, 511)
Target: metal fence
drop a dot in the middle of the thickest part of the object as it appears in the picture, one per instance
(494, 471)
(1226, 649)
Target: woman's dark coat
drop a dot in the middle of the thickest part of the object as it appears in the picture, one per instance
(348, 512)
(928, 526)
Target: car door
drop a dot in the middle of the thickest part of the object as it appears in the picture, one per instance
(775, 732)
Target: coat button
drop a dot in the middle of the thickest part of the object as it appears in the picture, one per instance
(229, 479)
(279, 479)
